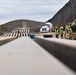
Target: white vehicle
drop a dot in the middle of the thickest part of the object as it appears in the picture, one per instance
(46, 27)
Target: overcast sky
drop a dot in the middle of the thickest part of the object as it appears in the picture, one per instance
(38, 10)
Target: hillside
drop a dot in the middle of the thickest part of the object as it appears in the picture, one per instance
(8, 27)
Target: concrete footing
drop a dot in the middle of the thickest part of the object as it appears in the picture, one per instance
(6, 40)
(65, 50)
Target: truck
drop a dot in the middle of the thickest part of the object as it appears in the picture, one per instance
(47, 27)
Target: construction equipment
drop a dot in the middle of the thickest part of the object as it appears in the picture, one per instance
(47, 27)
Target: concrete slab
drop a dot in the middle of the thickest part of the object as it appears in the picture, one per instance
(24, 57)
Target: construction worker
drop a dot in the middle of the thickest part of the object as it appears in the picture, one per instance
(61, 32)
(56, 32)
(70, 32)
(73, 25)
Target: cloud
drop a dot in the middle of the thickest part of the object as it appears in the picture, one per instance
(40, 10)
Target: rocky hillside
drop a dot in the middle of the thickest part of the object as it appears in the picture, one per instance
(8, 27)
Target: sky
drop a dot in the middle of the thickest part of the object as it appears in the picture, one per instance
(37, 10)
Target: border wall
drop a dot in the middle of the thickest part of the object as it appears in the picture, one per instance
(65, 15)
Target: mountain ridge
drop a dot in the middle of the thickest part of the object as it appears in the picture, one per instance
(14, 24)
